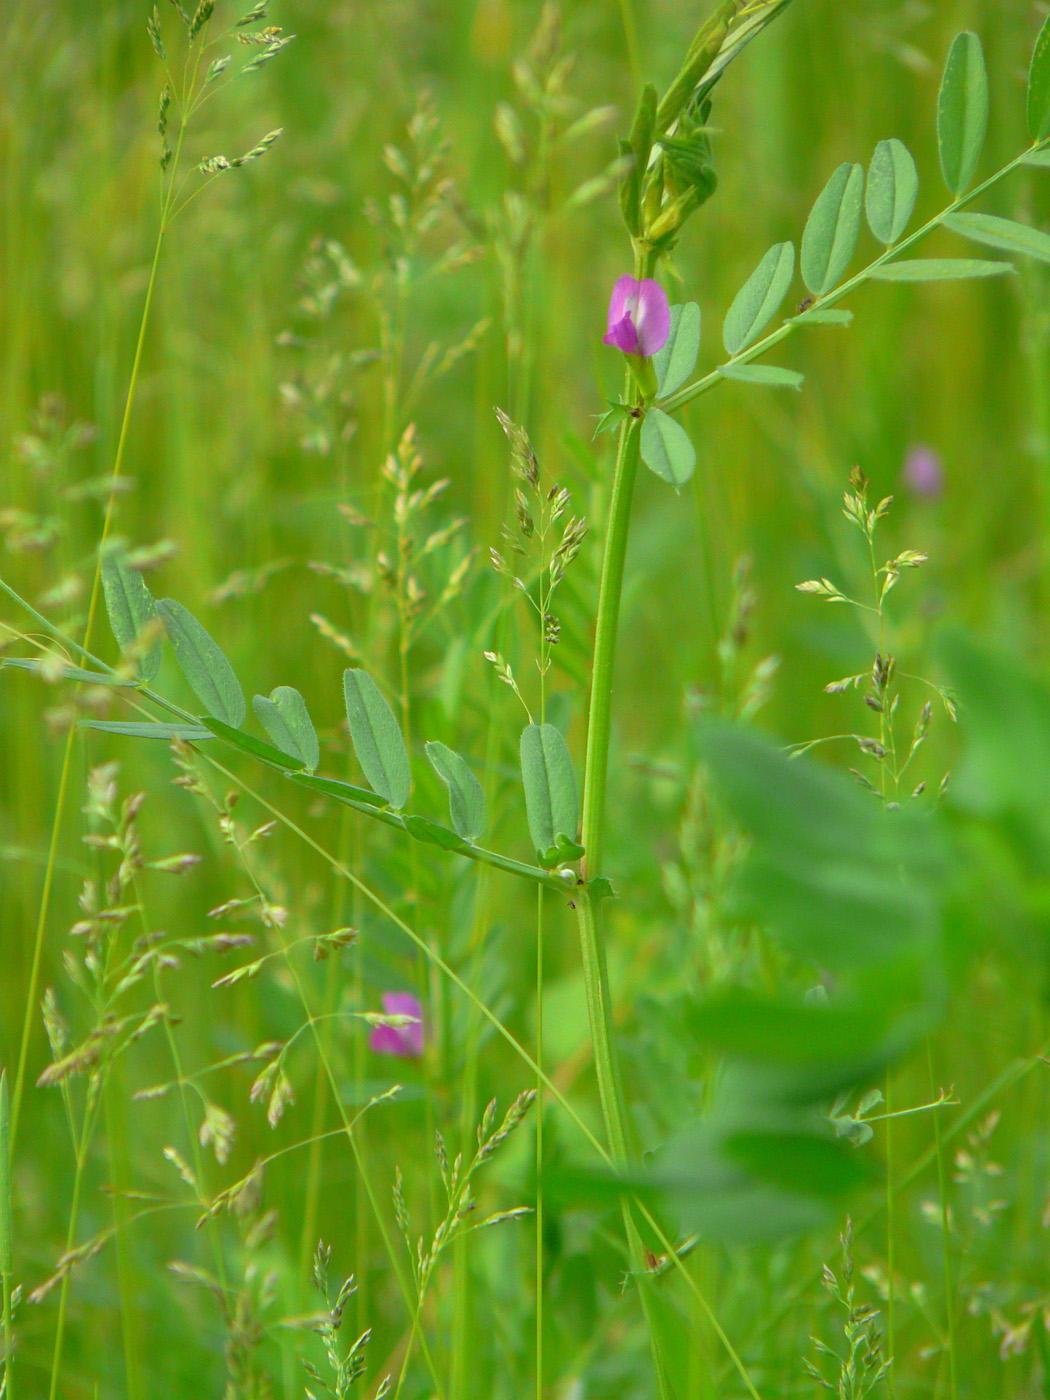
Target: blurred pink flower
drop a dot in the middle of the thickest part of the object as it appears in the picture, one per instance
(639, 317)
(923, 471)
(403, 1041)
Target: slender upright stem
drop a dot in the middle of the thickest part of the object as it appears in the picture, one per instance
(946, 1238)
(67, 757)
(891, 1296)
(86, 1133)
(7, 1262)
(588, 905)
(539, 1144)
(600, 716)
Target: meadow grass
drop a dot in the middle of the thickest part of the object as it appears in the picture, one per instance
(285, 409)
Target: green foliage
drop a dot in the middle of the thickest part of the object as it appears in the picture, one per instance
(832, 229)
(247, 743)
(759, 299)
(753, 1012)
(845, 884)
(1007, 716)
(286, 719)
(131, 609)
(666, 449)
(466, 798)
(377, 738)
(892, 189)
(148, 729)
(1039, 87)
(769, 376)
(7, 1264)
(210, 675)
(939, 270)
(551, 797)
(962, 112)
(675, 362)
(1006, 234)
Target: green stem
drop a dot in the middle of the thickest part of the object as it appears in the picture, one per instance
(127, 1280)
(942, 1185)
(7, 1250)
(592, 945)
(539, 1140)
(63, 782)
(87, 1131)
(890, 1259)
(599, 719)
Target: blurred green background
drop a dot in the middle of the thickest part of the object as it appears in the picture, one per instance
(253, 421)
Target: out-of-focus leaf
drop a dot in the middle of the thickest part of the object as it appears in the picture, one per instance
(130, 607)
(845, 883)
(1039, 87)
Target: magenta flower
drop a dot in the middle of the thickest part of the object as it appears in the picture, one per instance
(403, 1041)
(639, 317)
(923, 471)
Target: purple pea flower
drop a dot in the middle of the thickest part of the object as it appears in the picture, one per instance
(404, 1041)
(639, 317)
(923, 471)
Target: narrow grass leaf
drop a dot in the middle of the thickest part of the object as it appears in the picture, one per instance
(962, 112)
(771, 376)
(551, 798)
(7, 1261)
(377, 738)
(892, 189)
(203, 663)
(1005, 234)
(675, 362)
(938, 270)
(832, 229)
(666, 448)
(192, 733)
(249, 744)
(1041, 159)
(1039, 87)
(130, 607)
(50, 668)
(286, 719)
(759, 299)
(466, 797)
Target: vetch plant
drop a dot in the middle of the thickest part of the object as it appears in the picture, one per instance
(833, 881)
